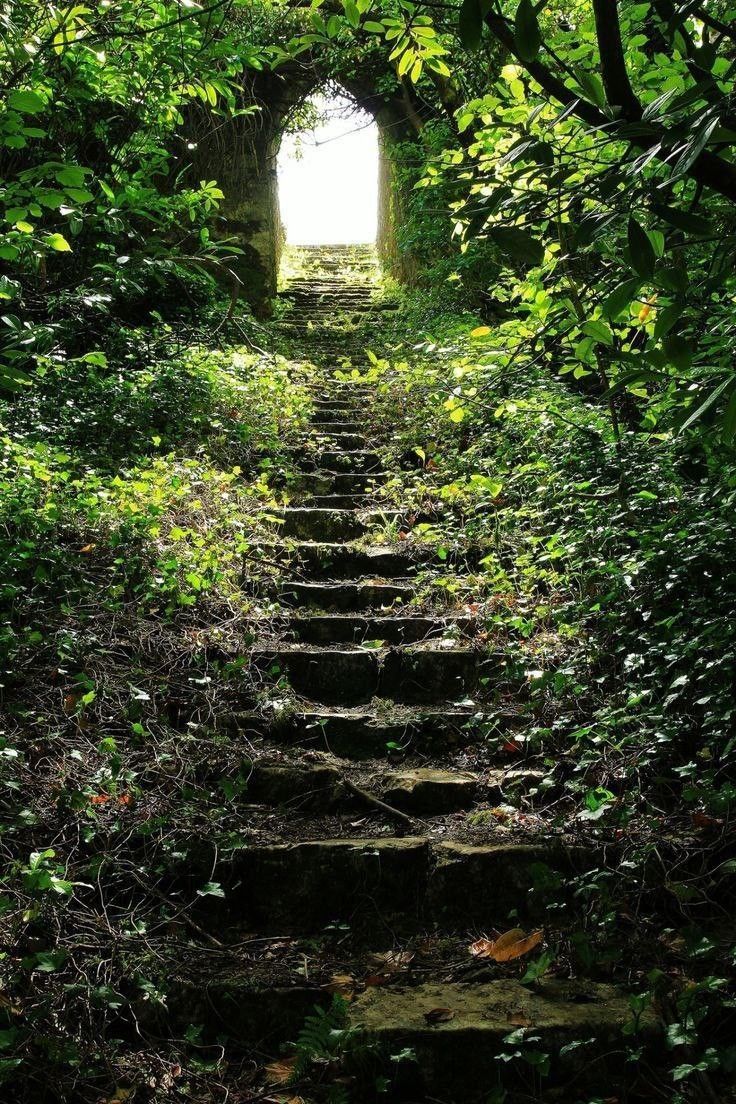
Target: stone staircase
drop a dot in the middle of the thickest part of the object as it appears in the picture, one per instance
(375, 859)
(333, 302)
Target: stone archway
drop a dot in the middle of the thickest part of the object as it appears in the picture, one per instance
(241, 154)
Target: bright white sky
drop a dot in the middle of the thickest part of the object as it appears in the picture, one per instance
(329, 195)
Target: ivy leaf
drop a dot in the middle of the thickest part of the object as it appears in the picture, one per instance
(641, 249)
(211, 889)
(527, 35)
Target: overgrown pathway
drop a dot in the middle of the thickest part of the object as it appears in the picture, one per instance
(369, 875)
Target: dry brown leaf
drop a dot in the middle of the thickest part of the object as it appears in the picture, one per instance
(378, 979)
(393, 961)
(439, 1015)
(343, 985)
(278, 1073)
(514, 944)
(87, 548)
(520, 1019)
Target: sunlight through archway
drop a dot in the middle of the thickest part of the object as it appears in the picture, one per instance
(328, 177)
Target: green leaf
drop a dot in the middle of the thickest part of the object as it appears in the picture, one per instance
(706, 405)
(517, 243)
(471, 24)
(211, 889)
(351, 13)
(728, 432)
(30, 103)
(640, 249)
(666, 319)
(685, 220)
(527, 36)
(591, 86)
(599, 331)
(71, 175)
(58, 242)
(620, 298)
(678, 352)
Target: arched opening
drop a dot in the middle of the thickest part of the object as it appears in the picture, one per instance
(328, 170)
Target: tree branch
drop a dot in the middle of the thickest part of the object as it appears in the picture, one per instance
(707, 169)
(619, 92)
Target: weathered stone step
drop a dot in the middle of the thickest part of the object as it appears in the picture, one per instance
(327, 426)
(338, 501)
(369, 734)
(429, 791)
(346, 628)
(341, 561)
(458, 1058)
(352, 595)
(314, 523)
(353, 442)
(322, 483)
(300, 887)
(320, 786)
(340, 461)
(356, 675)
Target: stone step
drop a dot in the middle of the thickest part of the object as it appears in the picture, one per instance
(339, 501)
(326, 426)
(342, 561)
(340, 461)
(369, 734)
(320, 786)
(455, 1058)
(314, 523)
(348, 628)
(350, 676)
(322, 483)
(428, 790)
(346, 596)
(410, 880)
(351, 442)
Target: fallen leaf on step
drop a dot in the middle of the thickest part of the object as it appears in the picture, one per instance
(343, 985)
(519, 1019)
(393, 960)
(512, 944)
(439, 1015)
(502, 813)
(374, 980)
(481, 948)
(278, 1073)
